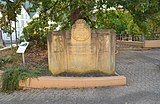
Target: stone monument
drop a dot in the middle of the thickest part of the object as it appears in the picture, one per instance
(81, 50)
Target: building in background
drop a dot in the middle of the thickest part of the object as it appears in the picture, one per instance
(22, 21)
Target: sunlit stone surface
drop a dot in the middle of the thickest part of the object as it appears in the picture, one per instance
(81, 50)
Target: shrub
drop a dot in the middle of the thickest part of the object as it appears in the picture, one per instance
(36, 33)
(6, 61)
(12, 76)
(1, 46)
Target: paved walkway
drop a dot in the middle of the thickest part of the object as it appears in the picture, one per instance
(142, 69)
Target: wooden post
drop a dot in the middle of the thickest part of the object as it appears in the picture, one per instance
(23, 59)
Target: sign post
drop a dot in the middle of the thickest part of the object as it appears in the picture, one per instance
(21, 49)
(23, 59)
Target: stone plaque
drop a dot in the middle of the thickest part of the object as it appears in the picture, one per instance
(81, 53)
(81, 50)
(80, 31)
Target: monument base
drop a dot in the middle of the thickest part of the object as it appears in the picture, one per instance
(72, 82)
(80, 71)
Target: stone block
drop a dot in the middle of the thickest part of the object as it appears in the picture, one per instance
(81, 50)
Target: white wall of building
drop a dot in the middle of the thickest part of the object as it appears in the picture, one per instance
(22, 21)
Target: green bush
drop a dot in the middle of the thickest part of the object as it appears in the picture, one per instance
(1, 46)
(6, 61)
(36, 33)
(12, 76)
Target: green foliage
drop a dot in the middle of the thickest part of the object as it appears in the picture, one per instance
(1, 46)
(9, 10)
(115, 19)
(12, 59)
(37, 30)
(142, 11)
(134, 17)
(133, 28)
(13, 75)
(67, 11)
(36, 33)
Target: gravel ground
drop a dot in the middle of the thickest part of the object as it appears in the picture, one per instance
(142, 69)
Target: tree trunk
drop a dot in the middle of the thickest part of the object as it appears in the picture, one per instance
(10, 34)
(16, 33)
(75, 15)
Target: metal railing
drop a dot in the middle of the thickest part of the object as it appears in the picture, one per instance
(129, 41)
(126, 37)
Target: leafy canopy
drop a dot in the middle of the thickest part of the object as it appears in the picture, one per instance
(129, 16)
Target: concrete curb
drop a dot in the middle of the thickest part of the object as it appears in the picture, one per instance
(7, 47)
(72, 82)
(134, 49)
(4, 48)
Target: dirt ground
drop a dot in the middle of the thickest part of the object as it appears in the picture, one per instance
(5, 52)
(36, 57)
(33, 56)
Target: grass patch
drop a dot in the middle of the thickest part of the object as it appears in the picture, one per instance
(1, 47)
(10, 60)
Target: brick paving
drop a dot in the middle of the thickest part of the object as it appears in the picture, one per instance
(142, 69)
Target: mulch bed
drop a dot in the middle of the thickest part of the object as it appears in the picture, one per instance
(36, 57)
(88, 74)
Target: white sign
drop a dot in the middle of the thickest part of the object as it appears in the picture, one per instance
(22, 47)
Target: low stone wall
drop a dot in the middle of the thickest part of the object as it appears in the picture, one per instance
(131, 43)
(152, 43)
(70, 82)
(73, 82)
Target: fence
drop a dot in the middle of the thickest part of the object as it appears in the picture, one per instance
(137, 41)
(129, 41)
(127, 37)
